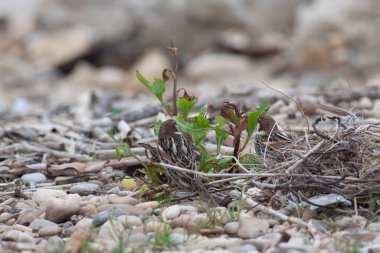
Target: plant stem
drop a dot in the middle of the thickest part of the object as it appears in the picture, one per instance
(236, 146)
(174, 71)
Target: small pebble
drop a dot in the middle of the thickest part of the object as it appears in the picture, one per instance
(137, 237)
(100, 218)
(178, 238)
(130, 220)
(49, 231)
(40, 223)
(18, 236)
(88, 210)
(84, 188)
(171, 212)
(145, 205)
(244, 248)
(58, 210)
(114, 199)
(35, 178)
(231, 227)
(42, 196)
(249, 227)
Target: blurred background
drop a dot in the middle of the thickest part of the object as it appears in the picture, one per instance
(58, 52)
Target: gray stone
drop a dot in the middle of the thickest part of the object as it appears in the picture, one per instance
(18, 236)
(51, 244)
(244, 248)
(33, 178)
(84, 188)
(178, 238)
(249, 227)
(37, 224)
(49, 231)
(100, 218)
(231, 227)
(58, 210)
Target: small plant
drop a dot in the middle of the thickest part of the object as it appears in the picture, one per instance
(355, 247)
(232, 121)
(163, 241)
(372, 206)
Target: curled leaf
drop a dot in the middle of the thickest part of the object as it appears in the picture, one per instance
(231, 112)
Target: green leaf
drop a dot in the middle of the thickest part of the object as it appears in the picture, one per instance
(203, 110)
(142, 79)
(220, 137)
(196, 126)
(128, 150)
(202, 122)
(220, 134)
(116, 111)
(185, 105)
(263, 107)
(221, 120)
(118, 153)
(158, 88)
(252, 118)
(252, 122)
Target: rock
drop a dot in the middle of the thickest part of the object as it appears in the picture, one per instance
(320, 226)
(49, 231)
(88, 210)
(35, 178)
(178, 238)
(137, 238)
(11, 221)
(108, 232)
(18, 236)
(85, 224)
(216, 66)
(199, 219)
(309, 214)
(119, 209)
(171, 212)
(149, 204)
(50, 244)
(182, 221)
(152, 226)
(40, 223)
(365, 103)
(4, 217)
(100, 218)
(21, 106)
(374, 227)
(212, 243)
(211, 231)
(84, 188)
(266, 241)
(50, 49)
(231, 227)
(27, 217)
(345, 222)
(249, 227)
(114, 199)
(22, 228)
(58, 210)
(244, 248)
(130, 221)
(41, 196)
